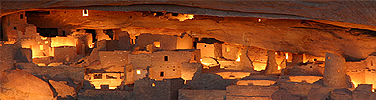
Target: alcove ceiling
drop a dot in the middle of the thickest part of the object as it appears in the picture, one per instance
(313, 27)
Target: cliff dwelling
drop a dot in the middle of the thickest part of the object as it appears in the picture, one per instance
(187, 50)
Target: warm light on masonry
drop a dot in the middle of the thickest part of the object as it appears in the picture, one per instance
(259, 20)
(43, 38)
(138, 72)
(239, 54)
(287, 55)
(41, 47)
(85, 12)
(91, 45)
(238, 60)
(157, 44)
(227, 49)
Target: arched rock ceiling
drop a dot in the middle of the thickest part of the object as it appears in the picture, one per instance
(315, 37)
(357, 12)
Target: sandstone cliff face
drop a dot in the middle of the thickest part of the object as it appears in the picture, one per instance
(296, 36)
(358, 12)
(20, 85)
(296, 26)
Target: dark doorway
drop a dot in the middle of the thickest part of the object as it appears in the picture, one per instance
(47, 32)
(161, 74)
(110, 33)
(165, 58)
(94, 35)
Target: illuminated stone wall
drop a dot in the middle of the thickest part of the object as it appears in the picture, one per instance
(170, 67)
(167, 42)
(362, 72)
(14, 25)
(258, 57)
(230, 51)
(162, 64)
(184, 42)
(138, 62)
(113, 58)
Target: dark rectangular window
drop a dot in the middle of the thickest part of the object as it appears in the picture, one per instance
(21, 16)
(161, 74)
(165, 58)
(48, 32)
(97, 76)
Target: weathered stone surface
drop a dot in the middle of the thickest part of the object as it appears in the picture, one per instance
(7, 53)
(185, 94)
(341, 11)
(335, 71)
(294, 36)
(271, 66)
(252, 91)
(209, 81)
(300, 89)
(363, 92)
(62, 89)
(282, 94)
(321, 93)
(57, 72)
(341, 94)
(18, 84)
(105, 95)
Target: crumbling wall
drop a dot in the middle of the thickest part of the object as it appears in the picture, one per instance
(139, 62)
(64, 54)
(123, 39)
(186, 94)
(189, 69)
(209, 81)
(7, 53)
(147, 89)
(113, 58)
(230, 51)
(24, 55)
(357, 72)
(363, 92)
(56, 72)
(250, 92)
(101, 35)
(335, 71)
(184, 42)
(169, 63)
(167, 42)
(207, 50)
(104, 95)
(306, 69)
(14, 25)
(258, 57)
(300, 89)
